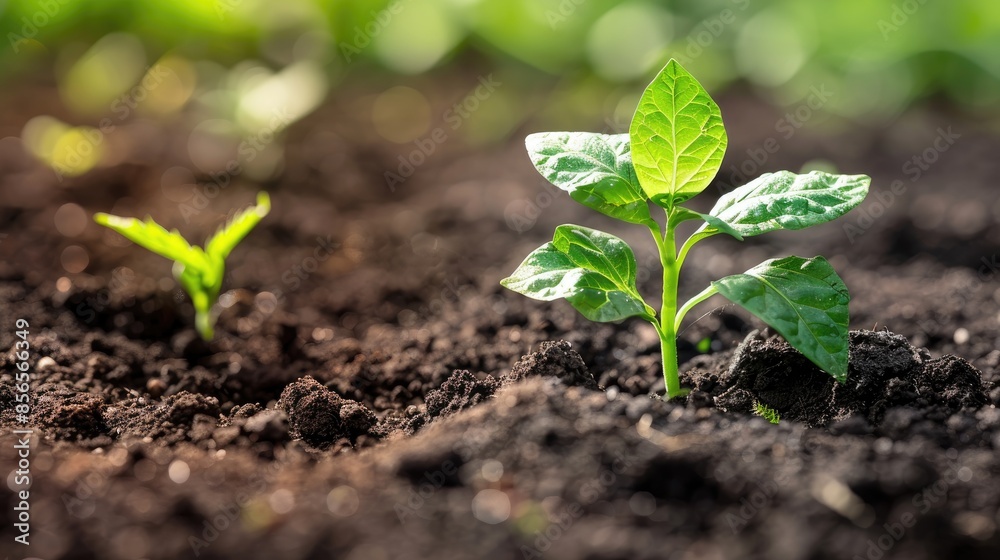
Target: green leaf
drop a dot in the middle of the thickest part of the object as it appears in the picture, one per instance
(682, 214)
(228, 236)
(784, 200)
(200, 273)
(804, 300)
(154, 237)
(595, 169)
(678, 138)
(594, 271)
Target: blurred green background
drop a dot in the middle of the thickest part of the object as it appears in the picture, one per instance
(233, 63)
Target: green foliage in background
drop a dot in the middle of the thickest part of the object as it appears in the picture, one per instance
(876, 56)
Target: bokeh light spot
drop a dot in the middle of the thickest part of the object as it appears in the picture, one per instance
(114, 64)
(179, 471)
(74, 259)
(628, 40)
(401, 114)
(422, 35)
(165, 87)
(491, 506)
(343, 501)
(770, 49)
(70, 220)
(68, 151)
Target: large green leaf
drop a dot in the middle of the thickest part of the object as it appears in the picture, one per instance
(678, 138)
(592, 270)
(784, 200)
(595, 169)
(804, 300)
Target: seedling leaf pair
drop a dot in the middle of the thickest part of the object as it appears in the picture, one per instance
(673, 150)
(199, 271)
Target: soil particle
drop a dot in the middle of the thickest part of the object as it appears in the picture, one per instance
(885, 372)
(320, 417)
(174, 419)
(458, 392)
(255, 423)
(553, 359)
(70, 415)
(585, 474)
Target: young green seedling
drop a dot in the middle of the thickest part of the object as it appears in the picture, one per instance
(672, 151)
(199, 270)
(766, 412)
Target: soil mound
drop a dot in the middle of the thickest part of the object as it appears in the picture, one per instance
(553, 359)
(885, 372)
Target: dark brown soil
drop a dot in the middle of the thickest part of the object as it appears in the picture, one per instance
(885, 372)
(392, 401)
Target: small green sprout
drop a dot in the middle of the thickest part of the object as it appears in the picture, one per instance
(199, 271)
(704, 345)
(766, 412)
(672, 152)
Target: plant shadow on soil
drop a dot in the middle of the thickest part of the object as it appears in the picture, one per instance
(396, 403)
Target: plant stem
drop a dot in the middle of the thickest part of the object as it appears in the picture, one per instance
(708, 292)
(667, 247)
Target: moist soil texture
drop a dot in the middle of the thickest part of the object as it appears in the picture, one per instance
(372, 393)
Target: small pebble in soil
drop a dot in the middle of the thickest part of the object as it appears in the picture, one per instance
(179, 471)
(492, 470)
(491, 506)
(961, 336)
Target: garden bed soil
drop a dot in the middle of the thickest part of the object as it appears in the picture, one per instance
(393, 401)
